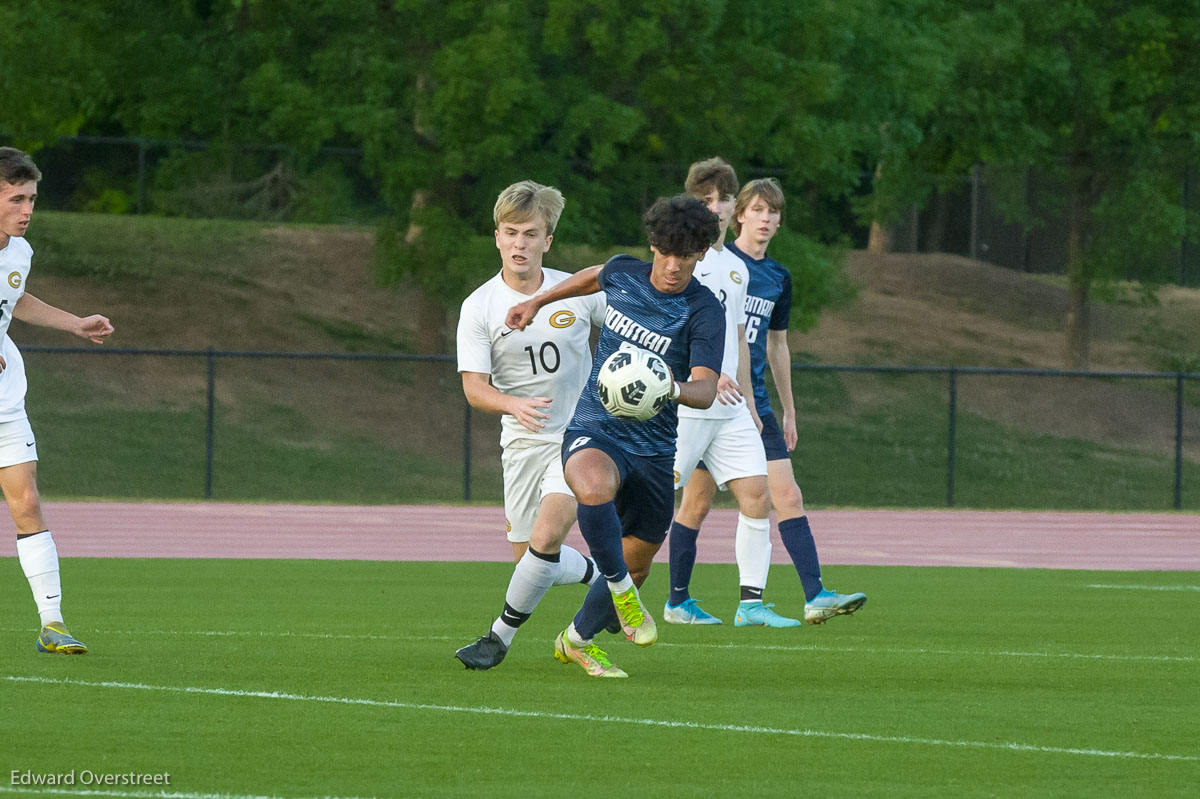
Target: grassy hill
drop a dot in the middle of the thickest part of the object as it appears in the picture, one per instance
(387, 432)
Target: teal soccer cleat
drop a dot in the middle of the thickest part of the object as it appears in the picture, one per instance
(688, 612)
(756, 614)
(827, 604)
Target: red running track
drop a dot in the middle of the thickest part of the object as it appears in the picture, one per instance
(1116, 541)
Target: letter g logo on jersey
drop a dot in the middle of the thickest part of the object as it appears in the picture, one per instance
(14, 279)
(562, 319)
(736, 278)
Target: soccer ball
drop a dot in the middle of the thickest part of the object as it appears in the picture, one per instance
(634, 383)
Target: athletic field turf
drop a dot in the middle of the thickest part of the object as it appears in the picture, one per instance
(306, 678)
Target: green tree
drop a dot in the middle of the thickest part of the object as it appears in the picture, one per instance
(1109, 93)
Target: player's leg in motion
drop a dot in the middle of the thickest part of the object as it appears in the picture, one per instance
(596, 479)
(820, 604)
(547, 562)
(38, 557)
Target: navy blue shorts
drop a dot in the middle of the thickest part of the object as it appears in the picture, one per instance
(645, 500)
(772, 438)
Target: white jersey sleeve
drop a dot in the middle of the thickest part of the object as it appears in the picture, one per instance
(726, 277)
(549, 358)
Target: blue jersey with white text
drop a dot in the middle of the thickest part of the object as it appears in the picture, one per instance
(685, 329)
(768, 307)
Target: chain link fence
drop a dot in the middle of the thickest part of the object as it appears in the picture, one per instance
(384, 429)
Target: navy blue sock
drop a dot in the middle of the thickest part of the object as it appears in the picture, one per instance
(601, 528)
(800, 545)
(683, 561)
(597, 611)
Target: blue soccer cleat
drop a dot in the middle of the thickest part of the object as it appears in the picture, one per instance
(756, 614)
(827, 604)
(55, 638)
(688, 612)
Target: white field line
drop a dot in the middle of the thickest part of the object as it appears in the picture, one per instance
(45, 791)
(622, 720)
(1147, 587)
(993, 653)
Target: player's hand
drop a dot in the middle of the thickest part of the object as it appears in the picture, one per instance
(519, 316)
(94, 328)
(728, 391)
(3, 364)
(530, 412)
(789, 430)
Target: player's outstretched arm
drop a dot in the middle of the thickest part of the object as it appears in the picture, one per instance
(780, 361)
(585, 281)
(700, 390)
(94, 328)
(483, 396)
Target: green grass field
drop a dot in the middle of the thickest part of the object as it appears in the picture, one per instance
(318, 678)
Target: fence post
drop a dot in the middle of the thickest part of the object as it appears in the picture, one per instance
(974, 245)
(1179, 441)
(951, 437)
(210, 432)
(141, 179)
(466, 450)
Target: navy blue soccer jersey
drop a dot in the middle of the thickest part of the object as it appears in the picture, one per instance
(768, 307)
(686, 329)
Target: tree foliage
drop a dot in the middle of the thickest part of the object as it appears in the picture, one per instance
(611, 100)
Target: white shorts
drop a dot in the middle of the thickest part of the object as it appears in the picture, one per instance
(531, 471)
(17, 444)
(730, 448)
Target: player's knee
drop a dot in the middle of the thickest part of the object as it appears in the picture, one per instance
(789, 503)
(26, 510)
(752, 496)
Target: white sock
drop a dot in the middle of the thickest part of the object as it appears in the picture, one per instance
(531, 579)
(622, 585)
(573, 567)
(575, 638)
(39, 561)
(753, 549)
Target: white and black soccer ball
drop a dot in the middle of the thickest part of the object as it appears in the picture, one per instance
(634, 383)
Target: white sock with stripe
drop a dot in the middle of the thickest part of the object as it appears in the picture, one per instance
(752, 547)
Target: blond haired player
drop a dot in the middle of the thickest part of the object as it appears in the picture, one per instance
(36, 551)
(532, 377)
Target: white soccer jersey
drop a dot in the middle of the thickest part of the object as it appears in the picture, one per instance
(15, 260)
(549, 358)
(726, 277)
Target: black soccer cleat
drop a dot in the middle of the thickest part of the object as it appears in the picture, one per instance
(487, 652)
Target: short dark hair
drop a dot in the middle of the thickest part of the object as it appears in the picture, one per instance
(17, 167)
(681, 225)
(712, 173)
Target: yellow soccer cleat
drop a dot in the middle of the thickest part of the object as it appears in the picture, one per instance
(591, 658)
(636, 622)
(55, 638)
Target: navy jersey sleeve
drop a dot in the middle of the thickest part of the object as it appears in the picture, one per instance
(706, 332)
(616, 263)
(781, 316)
